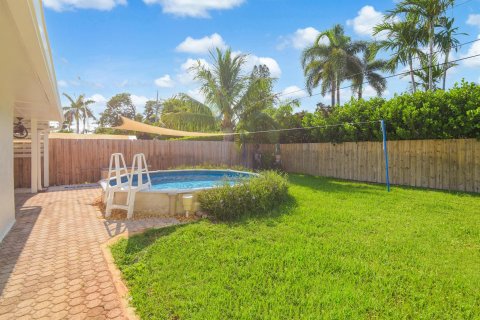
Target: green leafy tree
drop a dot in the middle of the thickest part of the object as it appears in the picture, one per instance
(429, 14)
(152, 112)
(182, 112)
(77, 110)
(369, 73)
(327, 65)
(239, 98)
(119, 105)
(447, 41)
(402, 38)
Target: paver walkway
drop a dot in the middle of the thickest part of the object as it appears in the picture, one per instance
(51, 263)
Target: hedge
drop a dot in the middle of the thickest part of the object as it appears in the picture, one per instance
(254, 196)
(437, 114)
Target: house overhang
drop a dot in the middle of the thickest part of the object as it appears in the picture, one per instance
(27, 77)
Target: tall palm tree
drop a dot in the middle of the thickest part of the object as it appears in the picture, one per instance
(402, 38)
(422, 74)
(223, 83)
(230, 91)
(429, 14)
(87, 114)
(369, 73)
(78, 109)
(328, 65)
(447, 41)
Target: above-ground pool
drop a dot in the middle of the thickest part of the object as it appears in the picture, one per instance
(164, 198)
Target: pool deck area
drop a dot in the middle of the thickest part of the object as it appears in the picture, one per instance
(53, 265)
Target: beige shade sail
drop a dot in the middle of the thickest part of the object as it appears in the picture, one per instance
(132, 125)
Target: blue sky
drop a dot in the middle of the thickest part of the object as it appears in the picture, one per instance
(104, 47)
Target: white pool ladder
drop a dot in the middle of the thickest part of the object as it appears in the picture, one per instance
(139, 168)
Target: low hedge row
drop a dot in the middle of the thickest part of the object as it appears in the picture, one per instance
(253, 196)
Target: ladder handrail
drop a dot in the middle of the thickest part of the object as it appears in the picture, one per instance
(139, 168)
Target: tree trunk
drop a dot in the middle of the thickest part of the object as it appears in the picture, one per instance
(430, 56)
(338, 90)
(227, 127)
(360, 91)
(412, 76)
(78, 124)
(445, 68)
(84, 125)
(334, 91)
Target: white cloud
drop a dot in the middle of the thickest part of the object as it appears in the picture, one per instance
(100, 102)
(272, 64)
(194, 8)
(202, 45)
(139, 102)
(474, 20)
(365, 21)
(164, 82)
(472, 51)
(196, 94)
(301, 39)
(62, 83)
(62, 5)
(186, 76)
(293, 92)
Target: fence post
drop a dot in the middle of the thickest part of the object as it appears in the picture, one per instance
(385, 152)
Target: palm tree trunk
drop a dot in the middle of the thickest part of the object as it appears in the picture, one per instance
(338, 90)
(227, 127)
(430, 56)
(445, 68)
(360, 92)
(77, 120)
(84, 124)
(412, 76)
(334, 91)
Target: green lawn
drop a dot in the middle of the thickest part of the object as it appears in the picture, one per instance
(339, 250)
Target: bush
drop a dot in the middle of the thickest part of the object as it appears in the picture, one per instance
(453, 114)
(253, 196)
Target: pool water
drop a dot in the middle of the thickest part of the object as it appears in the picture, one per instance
(191, 179)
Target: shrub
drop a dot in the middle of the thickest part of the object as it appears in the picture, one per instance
(453, 114)
(253, 196)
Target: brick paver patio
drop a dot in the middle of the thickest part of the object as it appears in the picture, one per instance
(51, 263)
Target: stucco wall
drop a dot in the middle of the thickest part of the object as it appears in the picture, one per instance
(7, 201)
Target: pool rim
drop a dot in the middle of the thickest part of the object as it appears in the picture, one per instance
(103, 182)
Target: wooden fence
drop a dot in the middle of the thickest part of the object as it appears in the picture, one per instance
(438, 164)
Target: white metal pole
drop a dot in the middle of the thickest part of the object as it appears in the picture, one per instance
(34, 155)
(46, 160)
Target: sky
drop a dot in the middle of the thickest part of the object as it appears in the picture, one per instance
(104, 47)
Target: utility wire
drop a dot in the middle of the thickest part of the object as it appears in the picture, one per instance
(346, 87)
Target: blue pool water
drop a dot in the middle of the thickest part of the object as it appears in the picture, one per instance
(192, 179)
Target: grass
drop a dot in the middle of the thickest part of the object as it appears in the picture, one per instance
(338, 250)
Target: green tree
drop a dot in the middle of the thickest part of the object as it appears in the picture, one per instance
(327, 65)
(429, 14)
(447, 41)
(77, 110)
(152, 112)
(403, 39)
(119, 105)
(182, 112)
(233, 93)
(369, 73)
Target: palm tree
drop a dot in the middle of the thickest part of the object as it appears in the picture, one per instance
(423, 74)
(447, 42)
(327, 65)
(183, 112)
(429, 14)
(232, 93)
(402, 38)
(78, 109)
(87, 114)
(370, 67)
